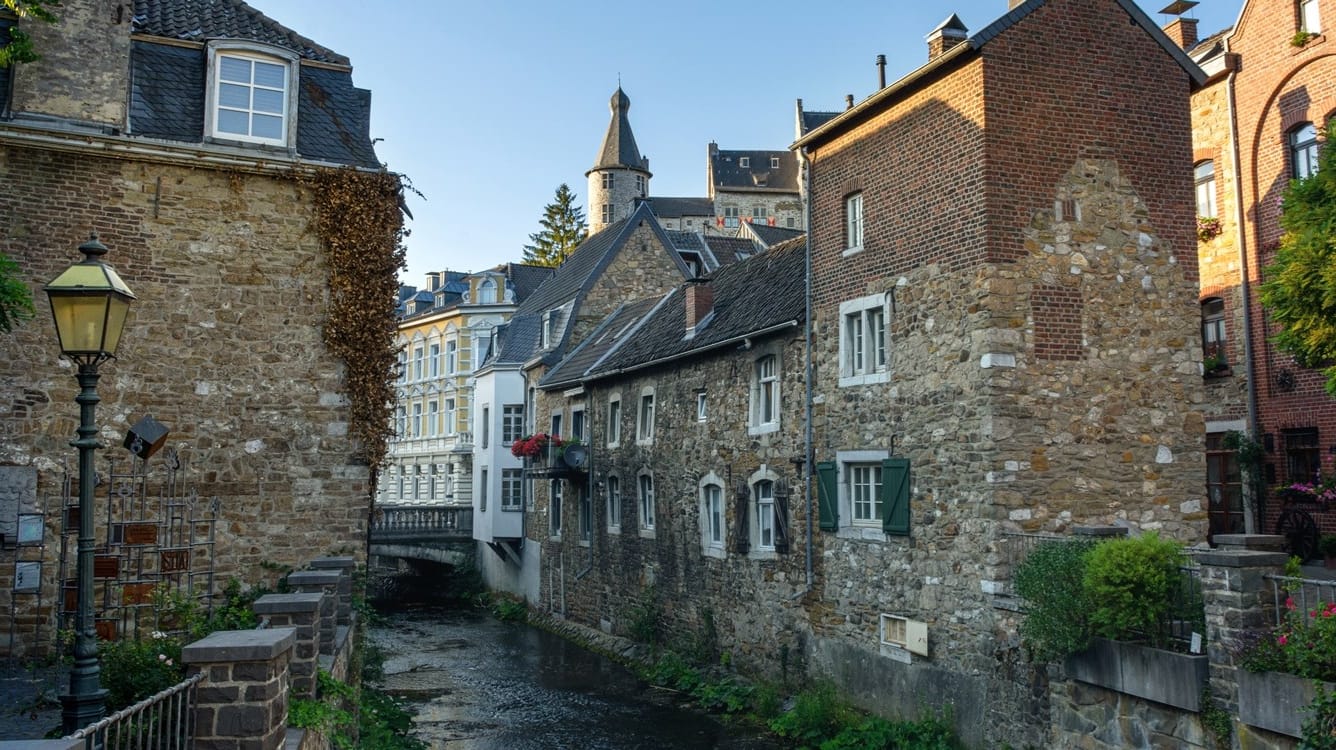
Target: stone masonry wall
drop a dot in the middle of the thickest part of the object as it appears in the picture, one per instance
(73, 80)
(753, 598)
(223, 346)
(782, 208)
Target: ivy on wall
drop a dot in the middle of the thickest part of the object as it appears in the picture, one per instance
(359, 221)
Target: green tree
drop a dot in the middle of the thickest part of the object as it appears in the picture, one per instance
(564, 227)
(1300, 287)
(19, 48)
(15, 299)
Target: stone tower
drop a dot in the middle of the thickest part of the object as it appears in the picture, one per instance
(620, 174)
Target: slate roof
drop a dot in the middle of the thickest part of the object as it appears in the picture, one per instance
(728, 174)
(614, 329)
(770, 236)
(619, 150)
(676, 208)
(198, 20)
(749, 297)
(813, 120)
(526, 278)
(925, 73)
(730, 250)
(167, 98)
(521, 338)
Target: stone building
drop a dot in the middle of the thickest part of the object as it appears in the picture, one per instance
(754, 187)
(445, 329)
(1257, 125)
(181, 132)
(631, 259)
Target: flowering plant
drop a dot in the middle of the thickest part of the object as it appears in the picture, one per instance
(1208, 228)
(1304, 645)
(531, 446)
(1317, 491)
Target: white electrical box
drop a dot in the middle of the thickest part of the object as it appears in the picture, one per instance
(904, 633)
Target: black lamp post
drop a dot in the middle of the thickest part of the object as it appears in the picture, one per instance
(89, 302)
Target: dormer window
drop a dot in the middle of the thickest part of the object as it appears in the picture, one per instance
(744, 161)
(774, 162)
(251, 94)
(551, 319)
(487, 292)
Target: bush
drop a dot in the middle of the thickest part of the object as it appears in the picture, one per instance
(1051, 579)
(817, 714)
(1131, 585)
(133, 670)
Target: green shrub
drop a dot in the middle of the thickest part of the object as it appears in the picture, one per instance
(876, 733)
(643, 620)
(508, 609)
(1131, 585)
(818, 713)
(133, 670)
(1051, 579)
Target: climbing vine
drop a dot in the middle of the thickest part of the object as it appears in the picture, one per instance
(358, 219)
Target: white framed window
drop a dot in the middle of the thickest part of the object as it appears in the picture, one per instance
(774, 162)
(1204, 175)
(401, 421)
(763, 495)
(251, 95)
(646, 495)
(416, 427)
(607, 214)
(585, 512)
(744, 162)
(433, 417)
(487, 292)
(645, 418)
(702, 407)
(1309, 20)
(614, 500)
(712, 516)
(512, 423)
(730, 216)
(640, 185)
(434, 360)
(1303, 151)
(551, 319)
(556, 423)
(449, 416)
(865, 487)
(577, 431)
(403, 366)
(482, 490)
(765, 395)
(853, 223)
(512, 489)
(451, 357)
(431, 482)
(1213, 339)
(614, 421)
(864, 353)
(609, 180)
(554, 508)
(486, 427)
(419, 362)
(758, 214)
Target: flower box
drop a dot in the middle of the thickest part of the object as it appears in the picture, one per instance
(1166, 677)
(1275, 701)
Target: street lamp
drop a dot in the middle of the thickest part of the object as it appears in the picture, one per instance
(89, 302)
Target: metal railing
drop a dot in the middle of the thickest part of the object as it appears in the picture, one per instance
(1016, 546)
(165, 721)
(422, 522)
(1304, 595)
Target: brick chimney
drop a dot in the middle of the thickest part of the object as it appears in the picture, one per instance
(950, 33)
(1183, 32)
(700, 300)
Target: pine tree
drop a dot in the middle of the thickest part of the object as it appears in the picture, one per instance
(1300, 287)
(564, 227)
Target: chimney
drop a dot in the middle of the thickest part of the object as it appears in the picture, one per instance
(700, 300)
(881, 72)
(434, 280)
(848, 101)
(950, 33)
(1183, 32)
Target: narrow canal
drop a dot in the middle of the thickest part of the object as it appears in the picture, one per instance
(474, 683)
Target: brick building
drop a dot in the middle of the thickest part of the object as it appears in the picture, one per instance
(178, 130)
(1257, 125)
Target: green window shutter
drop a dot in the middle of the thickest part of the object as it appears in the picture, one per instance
(895, 496)
(742, 518)
(781, 517)
(828, 493)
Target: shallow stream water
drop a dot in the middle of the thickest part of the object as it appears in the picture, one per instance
(474, 683)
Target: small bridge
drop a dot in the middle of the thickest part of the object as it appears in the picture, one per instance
(437, 533)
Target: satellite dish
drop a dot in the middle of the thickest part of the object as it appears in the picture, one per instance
(576, 456)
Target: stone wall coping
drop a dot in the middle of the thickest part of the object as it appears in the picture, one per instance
(1266, 542)
(276, 603)
(1099, 531)
(314, 577)
(322, 563)
(1242, 558)
(42, 744)
(239, 645)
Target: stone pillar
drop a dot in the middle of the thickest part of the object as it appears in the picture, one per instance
(347, 567)
(243, 700)
(321, 582)
(301, 612)
(1239, 602)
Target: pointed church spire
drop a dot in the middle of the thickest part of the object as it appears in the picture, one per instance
(619, 149)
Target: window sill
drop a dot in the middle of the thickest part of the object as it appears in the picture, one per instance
(512, 510)
(867, 379)
(644, 441)
(716, 552)
(584, 542)
(1218, 374)
(647, 533)
(764, 429)
(848, 251)
(763, 554)
(862, 533)
(615, 530)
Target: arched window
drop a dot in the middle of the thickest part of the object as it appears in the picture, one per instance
(764, 493)
(1213, 334)
(1204, 174)
(487, 292)
(1303, 151)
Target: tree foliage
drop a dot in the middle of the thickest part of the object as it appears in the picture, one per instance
(15, 297)
(564, 227)
(1300, 287)
(19, 48)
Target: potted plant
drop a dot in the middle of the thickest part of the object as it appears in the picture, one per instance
(1327, 546)
(1213, 363)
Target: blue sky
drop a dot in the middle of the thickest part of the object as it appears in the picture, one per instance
(489, 106)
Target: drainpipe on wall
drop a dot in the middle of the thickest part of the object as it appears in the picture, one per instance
(1250, 512)
(808, 456)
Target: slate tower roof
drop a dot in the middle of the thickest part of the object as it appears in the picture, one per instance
(619, 150)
